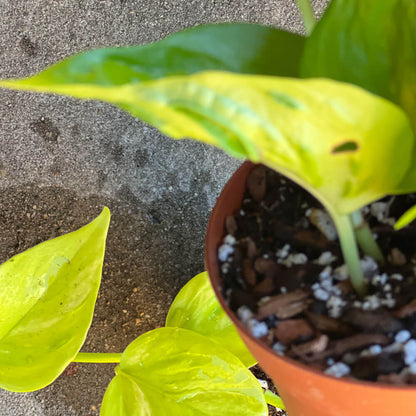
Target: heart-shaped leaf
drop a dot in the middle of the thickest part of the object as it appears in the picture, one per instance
(197, 308)
(47, 298)
(371, 44)
(298, 127)
(235, 47)
(177, 372)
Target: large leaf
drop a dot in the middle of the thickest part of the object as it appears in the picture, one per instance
(237, 47)
(345, 145)
(197, 308)
(177, 372)
(47, 297)
(371, 44)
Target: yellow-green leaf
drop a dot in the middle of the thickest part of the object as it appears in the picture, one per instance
(177, 372)
(197, 308)
(47, 298)
(298, 127)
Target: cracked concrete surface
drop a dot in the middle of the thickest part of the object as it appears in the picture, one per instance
(68, 158)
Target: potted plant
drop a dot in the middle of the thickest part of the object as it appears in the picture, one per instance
(344, 131)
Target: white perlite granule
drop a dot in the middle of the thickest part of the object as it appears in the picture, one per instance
(230, 240)
(293, 259)
(326, 258)
(279, 348)
(410, 352)
(402, 336)
(258, 329)
(225, 251)
(341, 273)
(244, 314)
(338, 370)
(368, 266)
(378, 210)
(373, 350)
(263, 383)
(283, 252)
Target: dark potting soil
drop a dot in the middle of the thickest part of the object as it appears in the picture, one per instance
(285, 278)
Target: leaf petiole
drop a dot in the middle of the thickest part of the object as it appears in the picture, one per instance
(308, 16)
(349, 248)
(91, 357)
(365, 238)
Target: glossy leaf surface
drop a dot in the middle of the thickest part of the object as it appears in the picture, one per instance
(177, 372)
(295, 126)
(371, 44)
(236, 47)
(47, 298)
(197, 308)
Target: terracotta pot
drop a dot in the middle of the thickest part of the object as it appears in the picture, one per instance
(305, 392)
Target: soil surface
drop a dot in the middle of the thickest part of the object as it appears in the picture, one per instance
(285, 277)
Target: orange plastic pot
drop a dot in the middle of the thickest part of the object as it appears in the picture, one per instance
(305, 392)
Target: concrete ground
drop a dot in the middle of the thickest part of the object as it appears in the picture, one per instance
(61, 160)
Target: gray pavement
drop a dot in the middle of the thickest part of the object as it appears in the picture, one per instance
(61, 160)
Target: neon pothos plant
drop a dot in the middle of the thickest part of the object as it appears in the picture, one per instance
(195, 365)
(334, 111)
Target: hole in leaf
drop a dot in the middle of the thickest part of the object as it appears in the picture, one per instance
(349, 146)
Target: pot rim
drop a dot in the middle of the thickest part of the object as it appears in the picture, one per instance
(211, 265)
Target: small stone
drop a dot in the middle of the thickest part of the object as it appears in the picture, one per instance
(396, 276)
(323, 222)
(326, 258)
(231, 225)
(225, 268)
(341, 273)
(379, 210)
(349, 358)
(298, 258)
(256, 183)
(338, 370)
(263, 383)
(396, 257)
(402, 336)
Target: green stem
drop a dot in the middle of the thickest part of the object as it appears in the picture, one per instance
(91, 357)
(273, 400)
(350, 251)
(308, 16)
(365, 237)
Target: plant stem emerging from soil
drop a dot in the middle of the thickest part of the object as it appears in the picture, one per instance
(365, 237)
(90, 357)
(350, 251)
(273, 400)
(307, 14)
